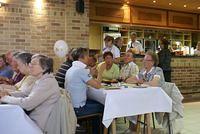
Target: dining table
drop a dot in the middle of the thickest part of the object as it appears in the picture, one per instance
(129, 101)
(13, 120)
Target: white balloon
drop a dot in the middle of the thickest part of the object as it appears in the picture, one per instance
(61, 48)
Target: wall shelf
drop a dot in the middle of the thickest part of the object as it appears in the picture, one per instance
(144, 34)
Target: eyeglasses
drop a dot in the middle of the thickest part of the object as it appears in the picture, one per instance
(147, 60)
(33, 64)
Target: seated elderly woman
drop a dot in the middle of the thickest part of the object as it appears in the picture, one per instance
(43, 94)
(23, 60)
(150, 74)
(129, 68)
(108, 71)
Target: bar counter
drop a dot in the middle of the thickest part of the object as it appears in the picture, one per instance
(185, 73)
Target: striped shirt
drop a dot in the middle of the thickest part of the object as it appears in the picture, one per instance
(60, 75)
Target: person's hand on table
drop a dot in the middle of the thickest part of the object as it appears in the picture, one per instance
(132, 80)
(140, 81)
(113, 81)
(3, 93)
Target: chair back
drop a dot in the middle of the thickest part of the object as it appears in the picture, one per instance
(62, 119)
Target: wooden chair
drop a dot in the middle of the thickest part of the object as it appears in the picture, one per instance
(147, 123)
(113, 128)
(88, 119)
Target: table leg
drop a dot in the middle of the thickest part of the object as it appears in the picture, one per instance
(153, 121)
(144, 126)
(113, 127)
(105, 130)
(148, 117)
(169, 124)
(138, 124)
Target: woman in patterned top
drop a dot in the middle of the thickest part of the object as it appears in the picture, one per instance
(150, 74)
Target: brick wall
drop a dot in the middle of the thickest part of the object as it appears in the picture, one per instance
(77, 25)
(24, 27)
(186, 75)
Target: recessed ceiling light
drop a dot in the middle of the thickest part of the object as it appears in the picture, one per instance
(198, 8)
(170, 3)
(127, 2)
(184, 5)
(154, 1)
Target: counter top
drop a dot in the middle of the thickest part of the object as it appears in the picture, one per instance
(186, 56)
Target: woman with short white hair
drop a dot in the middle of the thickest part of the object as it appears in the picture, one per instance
(150, 74)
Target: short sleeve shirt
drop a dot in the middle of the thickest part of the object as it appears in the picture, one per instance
(128, 70)
(148, 76)
(76, 82)
(114, 50)
(112, 73)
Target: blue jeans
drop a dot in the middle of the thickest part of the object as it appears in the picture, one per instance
(91, 107)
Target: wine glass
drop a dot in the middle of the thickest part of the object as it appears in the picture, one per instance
(119, 79)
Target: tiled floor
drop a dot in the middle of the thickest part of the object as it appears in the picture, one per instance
(189, 125)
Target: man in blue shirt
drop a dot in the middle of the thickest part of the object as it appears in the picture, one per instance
(77, 80)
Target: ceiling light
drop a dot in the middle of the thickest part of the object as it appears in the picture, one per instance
(2, 4)
(198, 8)
(170, 3)
(154, 1)
(184, 5)
(127, 2)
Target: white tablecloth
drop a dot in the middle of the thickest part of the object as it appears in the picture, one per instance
(13, 120)
(130, 101)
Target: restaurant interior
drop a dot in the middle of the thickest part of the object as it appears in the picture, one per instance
(53, 27)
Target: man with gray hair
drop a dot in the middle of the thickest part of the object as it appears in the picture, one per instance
(135, 45)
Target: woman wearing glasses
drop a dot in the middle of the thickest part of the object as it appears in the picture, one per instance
(43, 94)
(22, 61)
(150, 74)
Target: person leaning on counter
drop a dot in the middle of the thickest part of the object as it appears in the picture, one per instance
(135, 45)
(165, 59)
